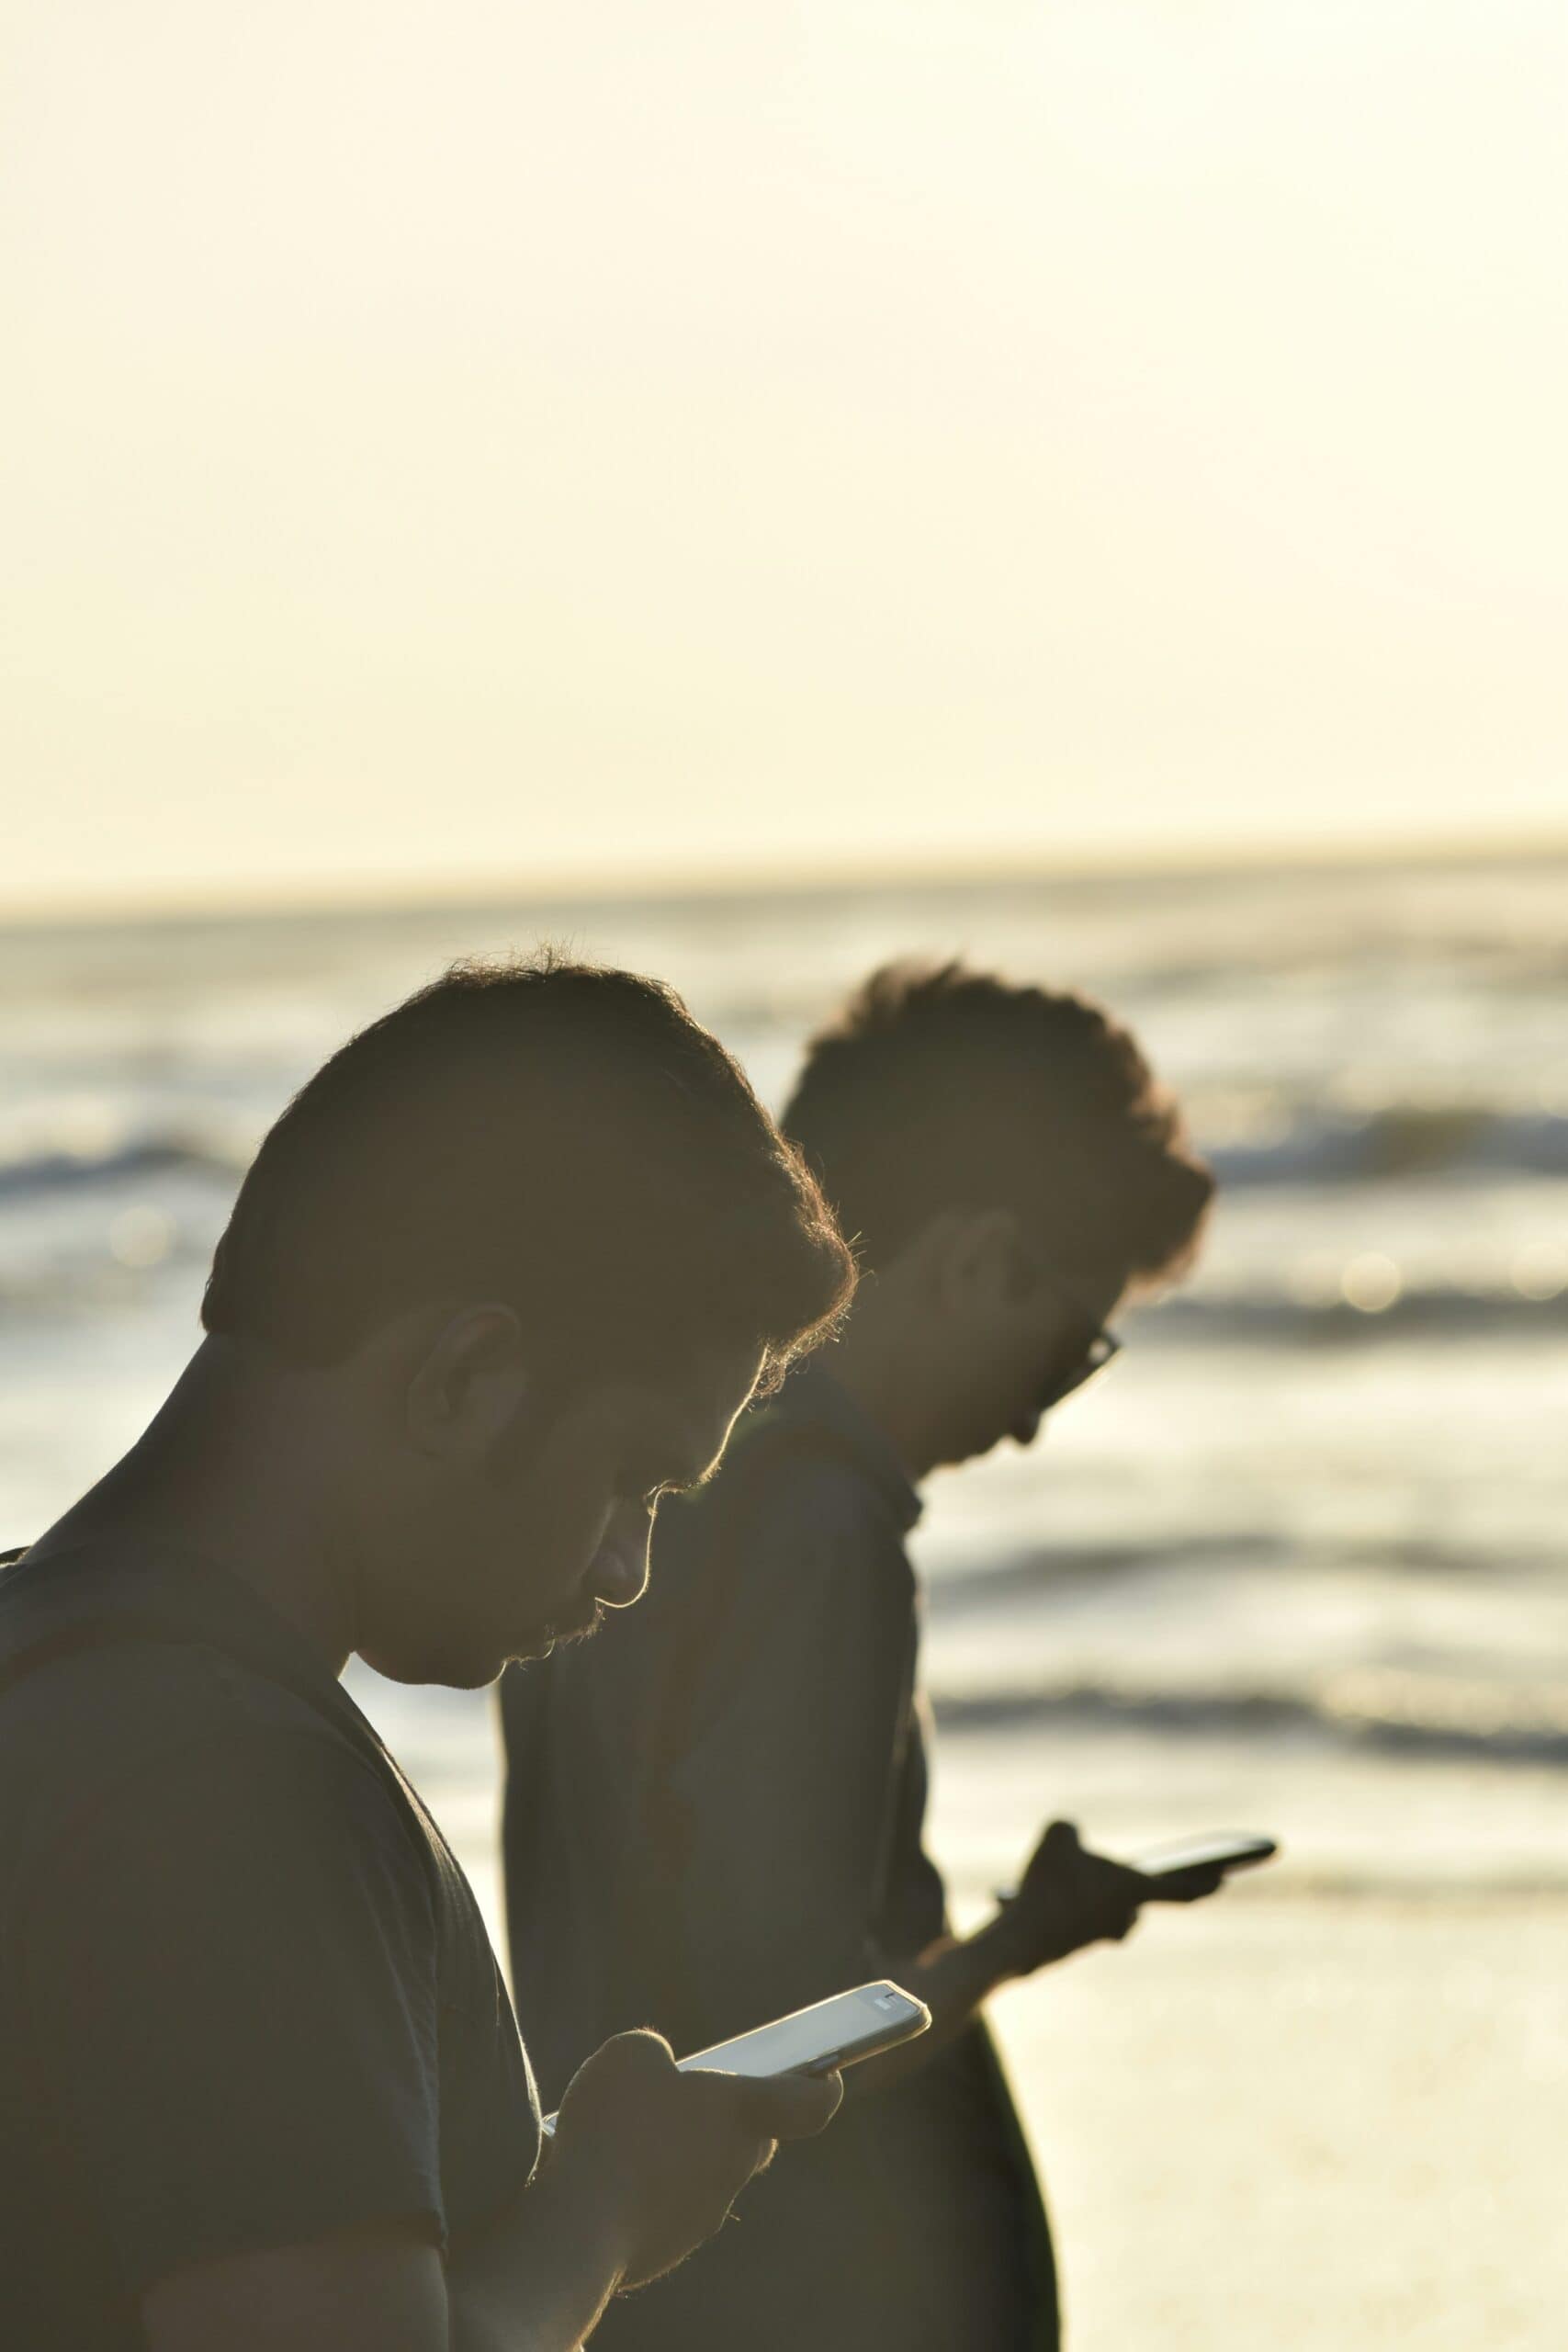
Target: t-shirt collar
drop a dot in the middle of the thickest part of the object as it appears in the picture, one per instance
(812, 1393)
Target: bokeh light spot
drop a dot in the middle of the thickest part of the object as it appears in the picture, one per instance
(141, 1235)
(1372, 1283)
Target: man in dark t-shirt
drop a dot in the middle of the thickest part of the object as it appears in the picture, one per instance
(506, 1269)
(746, 1759)
(781, 1860)
(249, 1994)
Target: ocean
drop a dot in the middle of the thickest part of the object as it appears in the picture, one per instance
(1295, 1564)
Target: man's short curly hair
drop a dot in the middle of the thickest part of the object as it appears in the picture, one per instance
(556, 1135)
(937, 1087)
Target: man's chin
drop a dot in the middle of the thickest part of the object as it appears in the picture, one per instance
(475, 1671)
(556, 1635)
(445, 1673)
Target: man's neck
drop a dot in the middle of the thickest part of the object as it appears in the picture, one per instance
(232, 1470)
(871, 1363)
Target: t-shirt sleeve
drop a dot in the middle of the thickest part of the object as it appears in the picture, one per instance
(232, 1976)
(786, 1789)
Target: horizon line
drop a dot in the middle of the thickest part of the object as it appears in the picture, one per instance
(763, 877)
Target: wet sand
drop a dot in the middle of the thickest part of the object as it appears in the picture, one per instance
(1308, 2119)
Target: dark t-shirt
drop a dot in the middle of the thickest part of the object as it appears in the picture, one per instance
(735, 1827)
(246, 1997)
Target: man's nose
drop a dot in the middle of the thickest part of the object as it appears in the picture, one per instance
(620, 1573)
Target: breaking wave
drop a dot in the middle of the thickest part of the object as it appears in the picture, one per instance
(1328, 1147)
(1375, 1707)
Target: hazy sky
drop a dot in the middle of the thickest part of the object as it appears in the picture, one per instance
(448, 441)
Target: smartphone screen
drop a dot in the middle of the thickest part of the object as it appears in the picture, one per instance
(831, 2033)
(1223, 1849)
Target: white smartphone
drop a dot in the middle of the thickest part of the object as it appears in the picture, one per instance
(1223, 1849)
(830, 2034)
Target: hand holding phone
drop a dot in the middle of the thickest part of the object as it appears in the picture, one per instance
(819, 2041)
(658, 2156)
(1067, 1899)
(1071, 1898)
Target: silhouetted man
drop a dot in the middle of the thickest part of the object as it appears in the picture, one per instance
(745, 1760)
(504, 1273)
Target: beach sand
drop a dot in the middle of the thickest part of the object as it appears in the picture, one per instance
(1292, 2120)
(1328, 2109)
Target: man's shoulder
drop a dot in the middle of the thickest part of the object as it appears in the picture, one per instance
(795, 1475)
(792, 1525)
(92, 1706)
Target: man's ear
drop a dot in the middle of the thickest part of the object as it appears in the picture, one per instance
(976, 1260)
(467, 1384)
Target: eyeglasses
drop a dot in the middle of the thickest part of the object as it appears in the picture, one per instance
(1091, 1356)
